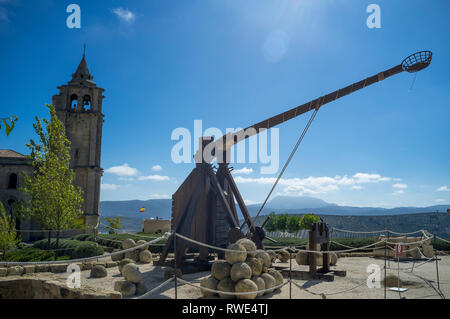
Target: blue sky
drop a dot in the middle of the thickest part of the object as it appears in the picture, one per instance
(230, 64)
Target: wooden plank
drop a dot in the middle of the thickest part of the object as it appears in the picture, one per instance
(221, 196)
(240, 201)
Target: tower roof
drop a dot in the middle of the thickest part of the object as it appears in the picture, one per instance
(82, 73)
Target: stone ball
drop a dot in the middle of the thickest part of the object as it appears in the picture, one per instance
(220, 269)
(301, 258)
(277, 276)
(269, 282)
(145, 256)
(211, 283)
(140, 242)
(134, 255)
(226, 285)
(255, 265)
(117, 257)
(140, 289)
(240, 271)
(132, 273)
(246, 285)
(427, 250)
(272, 255)
(123, 262)
(234, 257)
(260, 283)
(249, 246)
(128, 243)
(283, 255)
(126, 288)
(264, 257)
(98, 271)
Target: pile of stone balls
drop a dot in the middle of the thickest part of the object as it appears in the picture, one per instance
(142, 255)
(246, 270)
(132, 283)
(302, 257)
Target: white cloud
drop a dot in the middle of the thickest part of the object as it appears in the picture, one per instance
(249, 202)
(401, 186)
(122, 170)
(124, 14)
(443, 189)
(316, 185)
(109, 186)
(156, 178)
(357, 187)
(440, 200)
(244, 171)
(157, 168)
(400, 191)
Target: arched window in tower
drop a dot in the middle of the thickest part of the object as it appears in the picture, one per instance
(87, 103)
(12, 181)
(74, 101)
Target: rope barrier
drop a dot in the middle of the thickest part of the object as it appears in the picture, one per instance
(14, 263)
(219, 248)
(234, 293)
(252, 251)
(155, 289)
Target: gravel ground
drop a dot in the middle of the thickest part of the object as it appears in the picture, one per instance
(421, 283)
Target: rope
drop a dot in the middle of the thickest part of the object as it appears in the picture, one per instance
(379, 231)
(155, 289)
(13, 263)
(220, 248)
(234, 293)
(252, 251)
(288, 160)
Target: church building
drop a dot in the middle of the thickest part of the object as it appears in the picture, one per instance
(79, 107)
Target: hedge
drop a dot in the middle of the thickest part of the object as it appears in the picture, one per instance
(29, 255)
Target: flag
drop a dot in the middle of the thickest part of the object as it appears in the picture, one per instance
(142, 210)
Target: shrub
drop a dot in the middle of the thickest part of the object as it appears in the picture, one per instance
(87, 249)
(29, 254)
(65, 247)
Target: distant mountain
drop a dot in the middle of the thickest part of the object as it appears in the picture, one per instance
(296, 202)
(160, 208)
(348, 217)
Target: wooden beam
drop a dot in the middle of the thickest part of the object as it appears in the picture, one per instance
(221, 196)
(239, 200)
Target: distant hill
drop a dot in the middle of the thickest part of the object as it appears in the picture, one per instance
(295, 202)
(402, 219)
(435, 223)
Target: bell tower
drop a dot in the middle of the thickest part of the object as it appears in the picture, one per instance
(79, 106)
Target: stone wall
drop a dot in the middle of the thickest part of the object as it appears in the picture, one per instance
(155, 226)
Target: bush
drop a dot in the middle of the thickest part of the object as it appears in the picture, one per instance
(28, 255)
(65, 247)
(87, 249)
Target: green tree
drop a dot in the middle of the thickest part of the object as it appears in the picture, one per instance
(53, 201)
(293, 224)
(271, 224)
(8, 123)
(115, 223)
(281, 222)
(307, 220)
(8, 234)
